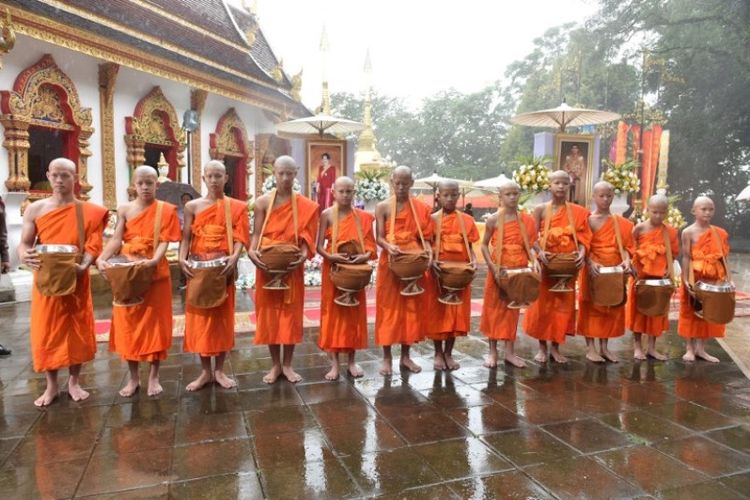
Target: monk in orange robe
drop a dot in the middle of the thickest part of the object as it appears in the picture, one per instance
(62, 327)
(650, 262)
(143, 332)
(209, 331)
(706, 247)
(448, 321)
(280, 312)
(552, 316)
(343, 328)
(400, 319)
(498, 322)
(610, 246)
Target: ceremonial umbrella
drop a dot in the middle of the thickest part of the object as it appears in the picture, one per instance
(744, 194)
(320, 124)
(564, 116)
(432, 181)
(491, 184)
(172, 192)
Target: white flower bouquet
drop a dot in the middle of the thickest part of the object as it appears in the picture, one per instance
(622, 176)
(270, 184)
(533, 175)
(370, 184)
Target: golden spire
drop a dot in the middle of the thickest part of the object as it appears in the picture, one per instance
(325, 105)
(297, 86)
(367, 155)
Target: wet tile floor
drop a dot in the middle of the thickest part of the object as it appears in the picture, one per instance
(665, 430)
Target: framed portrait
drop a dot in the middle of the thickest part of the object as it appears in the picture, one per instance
(574, 154)
(325, 162)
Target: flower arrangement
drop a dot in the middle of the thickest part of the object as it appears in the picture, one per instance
(270, 184)
(370, 184)
(622, 176)
(674, 216)
(313, 271)
(533, 174)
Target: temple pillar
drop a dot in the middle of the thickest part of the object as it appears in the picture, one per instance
(107, 78)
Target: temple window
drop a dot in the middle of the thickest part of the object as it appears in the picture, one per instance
(230, 144)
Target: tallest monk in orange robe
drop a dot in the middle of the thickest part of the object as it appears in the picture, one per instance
(400, 319)
(209, 331)
(552, 316)
(280, 312)
(62, 327)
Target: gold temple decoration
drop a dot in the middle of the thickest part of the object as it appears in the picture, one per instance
(197, 103)
(297, 86)
(367, 155)
(251, 34)
(153, 122)
(277, 73)
(107, 78)
(8, 36)
(231, 139)
(268, 147)
(325, 104)
(44, 96)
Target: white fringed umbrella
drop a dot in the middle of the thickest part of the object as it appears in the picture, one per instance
(564, 116)
(432, 181)
(320, 124)
(491, 184)
(744, 194)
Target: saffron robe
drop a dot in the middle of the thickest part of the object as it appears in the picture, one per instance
(344, 328)
(444, 320)
(62, 328)
(650, 261)
(400, 319)
(210, 331)
(280, 312)
(498, 322)
(553, 314)
(706, 254)
(143, 332)
(596, 321)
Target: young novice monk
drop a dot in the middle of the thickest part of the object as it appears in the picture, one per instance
(703, 246)
(446, 322)
(498, 321)
(561, 225)
(611, 245)
(650, 261)
(280, 312)
(343, 328)
(143, 332)
(210, 331)
(399, 319)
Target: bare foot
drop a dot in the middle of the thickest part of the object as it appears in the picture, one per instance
(355, 371)
(154, 387)
(657, 355)
(609, 356)
(541, 356)
(638, 354)
(46, 399)
(130, 389)
(689, 357)
(451, 363)
(410, 365)
(333, 373)
(592, 356)
(491, 360)
(273, 375)
(515, 361)
(198, 384)
(291, 375)
(387, 368)
(76, 392)
(221, 378)
(706, 357)
(558, 358)
(439, 363)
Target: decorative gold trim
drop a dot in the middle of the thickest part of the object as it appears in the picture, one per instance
(107, 79)
(197, 103)
(223, 143)
(93, 45)
(8, 40)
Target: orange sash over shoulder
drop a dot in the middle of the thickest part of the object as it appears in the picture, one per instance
(280, 312)
(210, 331)
(498, 322)
(62, 328)
(400, 319)
(143, 332)
(345, 328)
(552, 316)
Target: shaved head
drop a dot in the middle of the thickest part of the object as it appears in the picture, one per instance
(144, 171)
(658, 200)
(447, 185)
(343, 181)
(285, 162)
(559, 174)
(216, 165)
(508, 184)
(702, 200)
(62, 163)
(603, 185)
(402, 171)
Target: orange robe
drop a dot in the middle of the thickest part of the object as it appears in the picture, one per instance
(444, 320)
(706, 255)
(343, 328)
(280, 312)
(400, 319)
(650, 261)
(604, 322)
(210, 331)
(62, 328)
(498, 322)
(143, 332)
(553, 314)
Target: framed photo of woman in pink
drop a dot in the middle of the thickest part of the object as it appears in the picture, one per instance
(324, 165)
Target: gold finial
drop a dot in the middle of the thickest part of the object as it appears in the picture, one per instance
(297, 86)
(251, 34)
(8, 36)
(277, 73)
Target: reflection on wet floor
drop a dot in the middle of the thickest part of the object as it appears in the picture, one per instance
(666, 430)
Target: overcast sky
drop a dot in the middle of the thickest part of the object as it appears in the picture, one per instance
(418, 47)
